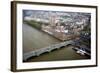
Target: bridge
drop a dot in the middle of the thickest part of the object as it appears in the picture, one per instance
(45, 49)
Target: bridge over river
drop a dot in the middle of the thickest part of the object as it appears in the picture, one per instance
(46, 49)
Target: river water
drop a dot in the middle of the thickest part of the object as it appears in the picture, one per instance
(34, 39)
